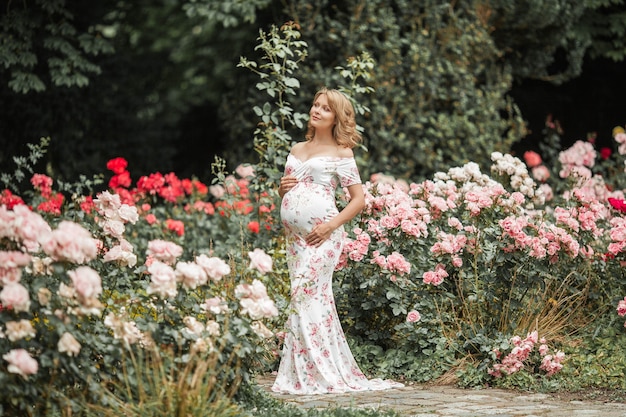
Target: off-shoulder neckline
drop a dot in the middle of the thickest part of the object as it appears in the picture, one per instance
(318, 157)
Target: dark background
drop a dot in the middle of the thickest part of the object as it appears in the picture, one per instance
(591, 103)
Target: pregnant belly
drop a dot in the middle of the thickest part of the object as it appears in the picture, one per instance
(306, 205)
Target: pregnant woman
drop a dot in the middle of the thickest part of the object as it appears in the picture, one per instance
(316, 358)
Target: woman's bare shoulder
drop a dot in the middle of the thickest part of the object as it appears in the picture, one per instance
(345, 152)
(297, 147)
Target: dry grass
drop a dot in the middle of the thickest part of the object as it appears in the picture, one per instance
(155, 383)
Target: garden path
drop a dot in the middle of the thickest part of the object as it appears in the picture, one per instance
(445, 401)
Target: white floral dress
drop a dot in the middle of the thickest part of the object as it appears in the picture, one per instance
(316, 358)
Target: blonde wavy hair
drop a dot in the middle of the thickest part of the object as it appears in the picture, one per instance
(344, 131)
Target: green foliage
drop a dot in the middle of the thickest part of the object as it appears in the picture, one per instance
(440, 89)
(230, 13)
(604, 21)
(532, 33)
(282, 52)
(24, 165)
(41, 33)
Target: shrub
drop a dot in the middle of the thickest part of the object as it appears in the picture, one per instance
(482, 259)
(87, 280)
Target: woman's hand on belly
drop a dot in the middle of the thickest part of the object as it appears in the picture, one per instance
(286, 183)
(319, 234)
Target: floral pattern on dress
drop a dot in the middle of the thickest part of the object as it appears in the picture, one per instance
(316, 358)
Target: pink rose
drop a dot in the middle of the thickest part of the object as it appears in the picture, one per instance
(260, 260)
(214, 267)
(190, 275)
(28, 227)
(128, 214)
(87, 283)
(114, 228)
(151, 218)
(245, 171)
(413, 316)
(162, 280)
(541, 173)
(123, 252)
(217, 191)
(15, 296)
(21, 363)
(12, 259)
(621, 307)
(17, 330)
(215, 305)
(71, 242)
(68, 344)
(164, 251)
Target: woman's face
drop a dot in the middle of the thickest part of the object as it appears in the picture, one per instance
(322, 117)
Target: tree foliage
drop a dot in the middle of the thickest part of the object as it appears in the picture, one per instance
(152, 100)
(42, 46)
(157, 82)
(550, 39)
(606, 25)
(440, 90)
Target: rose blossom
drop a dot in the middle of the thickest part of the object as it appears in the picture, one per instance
(413, 316)
(21, 363)
(15, 296)
(117, 165)
(14, 259)
(532, 159)
(162, 280)
(123, 330)
(190, 275)
(70, 242)
(194, 327)
(541, 173)
(17, 330)
(258, 308)
(397, 263)
(245, 171)
(254, 300)
(213, 328)
(164, 251)
(122, 252)
(87, 283)
(214, 267)
(68, 344)
(43, 296)
(621, 307)
(175, 226)
(254, 227)
(217, 191)
(10, 275)
(215, 305)
(260, 260)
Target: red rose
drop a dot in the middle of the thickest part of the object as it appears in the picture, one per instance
(254, 226)
(117, 165)
(619, 205)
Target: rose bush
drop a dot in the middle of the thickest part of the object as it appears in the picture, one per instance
(161, 264)
(481, 258)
